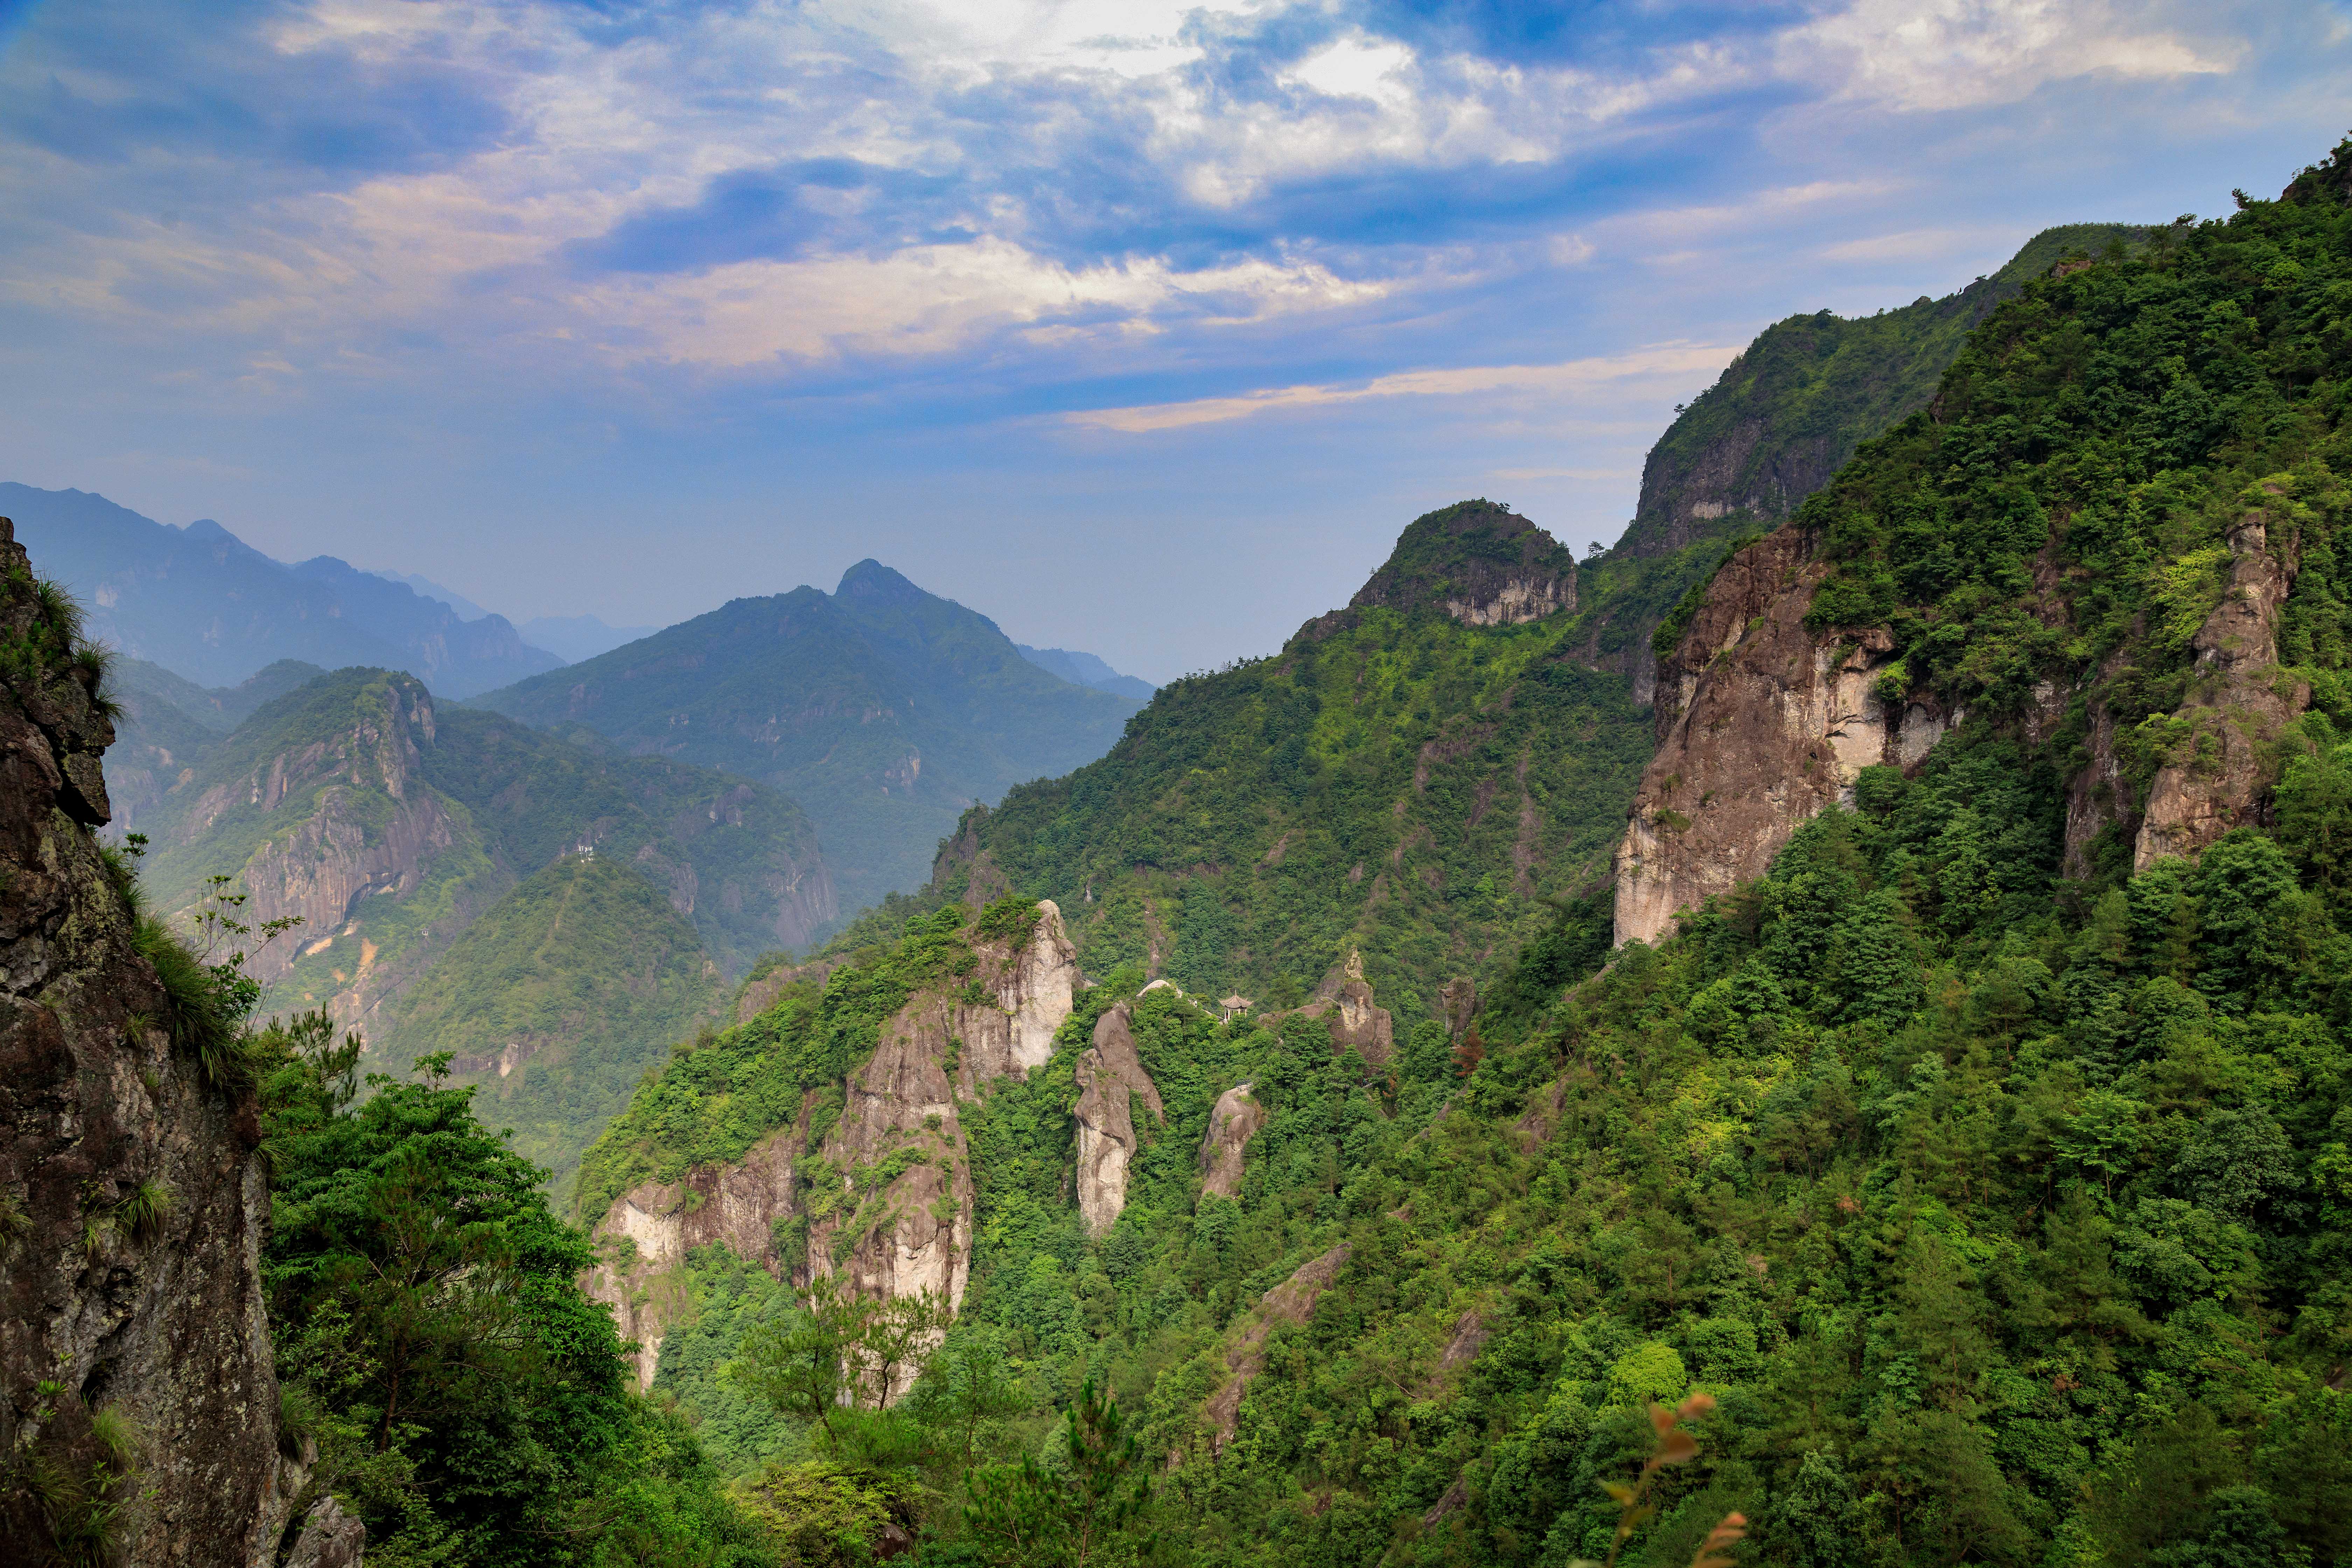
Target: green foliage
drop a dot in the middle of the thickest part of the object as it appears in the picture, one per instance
(716, 1098)
(559, 999)
(470, 1401)
(823, 1513)
(1081, 1508)
(207, 1004)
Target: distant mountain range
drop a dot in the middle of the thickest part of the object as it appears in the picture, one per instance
(207, 607)
(1085, 669)
(883, 710)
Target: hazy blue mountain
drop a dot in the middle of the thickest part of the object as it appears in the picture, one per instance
(1086, 670)
(449, 596)
(883, 710)
(200, 602)
(569, 638)
(575, 638)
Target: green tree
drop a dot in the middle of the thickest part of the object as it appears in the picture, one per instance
(1087, 1508)
(811, 1363)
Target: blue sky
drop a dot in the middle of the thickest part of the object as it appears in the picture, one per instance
(1142, 326)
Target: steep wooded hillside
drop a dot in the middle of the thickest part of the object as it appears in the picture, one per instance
(558, 999)
(1976, 1146)
(387, 824)
(1415, 774)
(882, 709)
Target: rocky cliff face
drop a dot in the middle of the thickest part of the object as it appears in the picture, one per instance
(131, 1202)
(1345, 1001)
(2239, 703)
(324, 818)
(886, 1198)
(1111, 1079)
(1233, 1120)
(1761, 724)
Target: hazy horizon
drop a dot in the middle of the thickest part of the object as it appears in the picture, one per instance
(1142, 330)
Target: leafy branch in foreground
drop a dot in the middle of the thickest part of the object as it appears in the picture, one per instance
(1637, 1498)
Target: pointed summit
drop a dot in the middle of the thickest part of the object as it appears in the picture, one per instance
(1480, 562)
(871, 582)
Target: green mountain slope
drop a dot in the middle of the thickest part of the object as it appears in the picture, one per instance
(1789, 411)
(387, 824)
(1433, 785)
(882, 709)
(1397, 777)
(1983, 1159)
(557, 998)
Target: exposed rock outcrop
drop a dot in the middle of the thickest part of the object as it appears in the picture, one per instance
(1479, 562)
(1110, 1079)
(886, 1198)
(1233, 1120)
(329, 1538)
(1460, 1001)
(1345, 1000)
(1288, 1302)
(1761, 724)
(373, 829)
(2239, 703)
(132, 1201)
(649, 1229)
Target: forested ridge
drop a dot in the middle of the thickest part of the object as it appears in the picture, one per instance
(1975, 1185)
(1999, 1203)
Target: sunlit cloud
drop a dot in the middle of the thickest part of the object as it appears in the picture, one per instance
(1571, 378)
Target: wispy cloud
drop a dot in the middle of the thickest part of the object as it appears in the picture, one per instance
(1570, 377)
(1386, 250)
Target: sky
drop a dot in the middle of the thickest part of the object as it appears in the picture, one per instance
(1141, 326)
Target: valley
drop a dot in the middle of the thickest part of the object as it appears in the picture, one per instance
(1818, 1029)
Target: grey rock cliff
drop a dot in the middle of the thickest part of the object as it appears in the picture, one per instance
(1110, 1080)
(886, 1198)
(162, 1321)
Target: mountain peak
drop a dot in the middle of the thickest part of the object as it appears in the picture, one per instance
(869, 580)
(1479, 562)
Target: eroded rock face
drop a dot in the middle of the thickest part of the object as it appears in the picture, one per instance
(1110, 1079)
(163, 1320)
(738, 1202)
(1345, 1000)
(349, 848)
(888, 1196)
(1763, 724)
(2237, 707)
(1233, 1120)
(1288, 1302)
(1459, 1000)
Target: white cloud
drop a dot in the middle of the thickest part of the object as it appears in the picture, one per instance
(1354, 67)
(1580, 376)
(1957, 54)
(924, 299)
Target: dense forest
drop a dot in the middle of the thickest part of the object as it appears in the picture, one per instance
(1995, 1205)
(1975, 1185)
